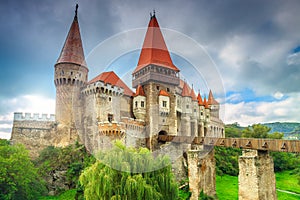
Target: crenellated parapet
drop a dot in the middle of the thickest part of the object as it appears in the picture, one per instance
(126, 126)
(102, 88)
(19, 116)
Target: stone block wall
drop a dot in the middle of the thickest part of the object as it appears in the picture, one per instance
(256, 176)
(202, 171)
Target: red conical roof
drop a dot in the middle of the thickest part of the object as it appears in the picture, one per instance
(72, 51)
(154, 49)
(211, 99)
(185, 90)
(139, 91)
(113, 79)
(205, 103)
(193, 95)
(199, 98)
(163, 93)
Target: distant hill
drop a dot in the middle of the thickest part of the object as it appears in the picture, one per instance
(291, 130)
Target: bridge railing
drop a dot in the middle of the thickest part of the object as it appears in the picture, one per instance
(243, 143)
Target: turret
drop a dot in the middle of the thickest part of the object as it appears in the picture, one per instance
(155, 63)
(71, 73)
(187, 105)
(139, 103)
(213, 105)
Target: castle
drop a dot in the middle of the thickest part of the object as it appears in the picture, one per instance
(98, 111)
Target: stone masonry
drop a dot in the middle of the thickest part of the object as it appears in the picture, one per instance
(256, 176)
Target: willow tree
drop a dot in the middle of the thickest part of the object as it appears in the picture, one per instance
(129, 173)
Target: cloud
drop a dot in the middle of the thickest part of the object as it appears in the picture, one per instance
(31, 103)
(248, 113)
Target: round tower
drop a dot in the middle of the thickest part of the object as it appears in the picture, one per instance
(71, 73)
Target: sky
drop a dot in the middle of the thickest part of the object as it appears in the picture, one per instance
(247, 52)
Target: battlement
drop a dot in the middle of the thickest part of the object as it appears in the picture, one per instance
(102, 88)
(19, 116)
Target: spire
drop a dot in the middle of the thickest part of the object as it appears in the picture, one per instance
(72, 51)
(199, 98)
(154, 50)
(211, 100)
(205, 104)
(139, 91)
(185, 90)
(193, 95)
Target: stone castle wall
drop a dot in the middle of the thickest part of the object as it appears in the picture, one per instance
(37, 132)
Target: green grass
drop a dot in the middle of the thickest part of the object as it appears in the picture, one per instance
(287, 181)
(285, 196)
(227, 186)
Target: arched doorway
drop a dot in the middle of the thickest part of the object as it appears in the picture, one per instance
(162, 132)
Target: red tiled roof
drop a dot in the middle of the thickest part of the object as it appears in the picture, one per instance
(139, 91)
(72, 51)
(193, 95)
(185, 90)
(205, 103)
(211, 99)
(154, 50)
(163, 93)
(113, 79)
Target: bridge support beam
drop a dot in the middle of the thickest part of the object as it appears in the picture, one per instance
(202, 172)
(256, 176)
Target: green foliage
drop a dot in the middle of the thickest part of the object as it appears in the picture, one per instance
(285, 161)
(256, 131)
(275, 135)
(203, 196)
(101, 181)
(227, 160)
(67, 195)
(233, 131)
(18, 176)
(72, 158)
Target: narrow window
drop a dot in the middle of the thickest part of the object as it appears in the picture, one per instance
(136, 104)
(164, 104)
(110, 117)
(109, 98)
(157, 87)
(142, 104)
(168, 89)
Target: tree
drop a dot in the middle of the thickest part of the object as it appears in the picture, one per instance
(18, 176)
(233, 131)
(72, 158)
(105, 180)
(256, 131)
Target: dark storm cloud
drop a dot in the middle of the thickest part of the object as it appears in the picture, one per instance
(32, 35)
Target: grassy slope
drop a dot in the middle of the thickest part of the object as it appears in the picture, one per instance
(287, 181)
(227, 186)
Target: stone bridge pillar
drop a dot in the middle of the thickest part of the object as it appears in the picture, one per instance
(202, 172)
(256, 176)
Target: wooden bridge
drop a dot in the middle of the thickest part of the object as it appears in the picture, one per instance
(292, 146)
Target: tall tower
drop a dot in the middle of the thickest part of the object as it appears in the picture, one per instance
(71, 73)
(159, 77)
